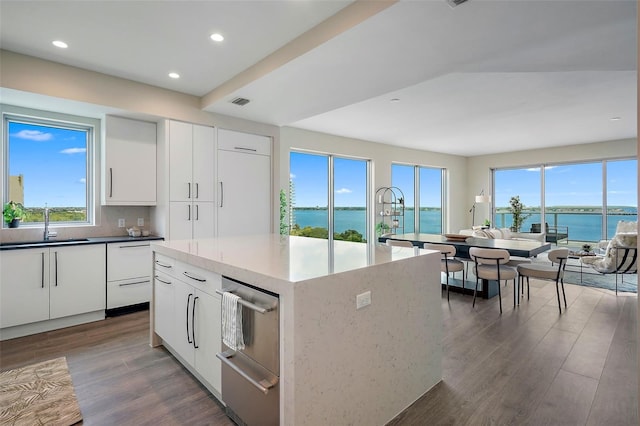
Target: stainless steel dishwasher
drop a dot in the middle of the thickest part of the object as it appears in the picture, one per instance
(250, 377)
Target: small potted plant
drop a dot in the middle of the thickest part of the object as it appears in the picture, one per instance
(13, 213)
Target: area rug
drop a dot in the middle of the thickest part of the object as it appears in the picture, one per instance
(39, 394)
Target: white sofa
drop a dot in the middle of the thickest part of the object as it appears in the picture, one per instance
(503, 234)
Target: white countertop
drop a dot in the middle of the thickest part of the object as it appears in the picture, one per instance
(283, 258)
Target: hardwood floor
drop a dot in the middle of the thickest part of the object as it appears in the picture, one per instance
(528, 366)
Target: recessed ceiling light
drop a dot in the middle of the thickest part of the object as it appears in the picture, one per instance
(174, 75)
(615, 118)
(217, 37)
(60, 44)
(394, 100)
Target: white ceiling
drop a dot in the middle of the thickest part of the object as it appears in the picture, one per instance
(487, 76)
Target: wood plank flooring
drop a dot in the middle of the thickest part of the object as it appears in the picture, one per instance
(528, 366)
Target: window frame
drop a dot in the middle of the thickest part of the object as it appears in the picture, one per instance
(59, 120)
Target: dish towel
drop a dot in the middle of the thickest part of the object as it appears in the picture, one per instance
(232, 322)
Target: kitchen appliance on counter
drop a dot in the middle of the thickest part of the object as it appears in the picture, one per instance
(251, 376)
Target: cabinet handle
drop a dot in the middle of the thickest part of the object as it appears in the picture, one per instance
(162, 281)
(163, 265)
(137, 245)
(137, 282)
(193, 322)
(189, 212)
(56, 264)
(42, 269)
(189, 192)
(188, 336)
(221, 194)
(197, 212)
(110, 182)
(200, 279)
(245, 149)
(197, 191)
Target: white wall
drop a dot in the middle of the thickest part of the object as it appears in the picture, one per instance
(381, 156)
(479, 168)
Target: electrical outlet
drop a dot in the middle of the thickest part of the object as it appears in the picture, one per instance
(141, 221)
(363, 299)
(120, 223)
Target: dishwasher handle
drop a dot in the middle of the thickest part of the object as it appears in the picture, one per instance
(263, 385)
(252, 306)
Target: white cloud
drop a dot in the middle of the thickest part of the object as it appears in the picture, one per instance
(343, 191)
(33, 135)
(292, 176)
(73, 151)
(82, 180)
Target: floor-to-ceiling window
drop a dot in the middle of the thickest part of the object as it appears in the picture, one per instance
(328, 196)
(585, 200)
(423, 191)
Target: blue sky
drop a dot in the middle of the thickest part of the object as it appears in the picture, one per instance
(53, 163)
(570, 185)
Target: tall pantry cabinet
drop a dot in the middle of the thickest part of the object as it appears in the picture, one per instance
(212, 182)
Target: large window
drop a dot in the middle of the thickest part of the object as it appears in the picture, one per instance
(48, 163)
(423, 191)
(584, 200)
(328, 196)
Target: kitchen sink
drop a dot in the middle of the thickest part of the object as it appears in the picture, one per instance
(44, 242)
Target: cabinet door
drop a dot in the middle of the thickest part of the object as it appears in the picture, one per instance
(24, 286)
(244, 201)
(203, 220)
(180, 160)
(164, 300)
(207, 338)
(129, 158)
(77, 279)
(203, 163)
(183, 321)
(180, 224)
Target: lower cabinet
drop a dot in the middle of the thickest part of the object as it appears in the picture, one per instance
(51, 282)
(187, 316)
(128, 273)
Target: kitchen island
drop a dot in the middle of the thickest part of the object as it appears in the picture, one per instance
(338, 364)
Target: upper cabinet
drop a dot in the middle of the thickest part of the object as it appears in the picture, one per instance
(128, 162)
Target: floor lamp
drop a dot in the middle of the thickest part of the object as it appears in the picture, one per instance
(480, 198)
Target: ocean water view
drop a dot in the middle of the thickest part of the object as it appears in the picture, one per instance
(581, 226)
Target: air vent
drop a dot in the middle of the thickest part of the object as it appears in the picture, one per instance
(240, 101)
(454, 3)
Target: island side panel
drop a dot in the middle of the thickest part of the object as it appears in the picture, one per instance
(363, 367)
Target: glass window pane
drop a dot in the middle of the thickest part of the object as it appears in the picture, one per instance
(350, 199)
(522, 183)
(402, 176)
(430, 213)
(573, 200)
(309, 194)
(622, 193)
(47, 165)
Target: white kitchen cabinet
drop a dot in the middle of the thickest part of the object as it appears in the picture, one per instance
(244, 179)
(128, 162)
(52, 282)
(24, 286)
(190, 322)
(128, 273)
(191, 170)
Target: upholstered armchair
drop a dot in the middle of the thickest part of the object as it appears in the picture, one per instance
(620, 257)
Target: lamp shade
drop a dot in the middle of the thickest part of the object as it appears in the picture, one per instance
(483, 198)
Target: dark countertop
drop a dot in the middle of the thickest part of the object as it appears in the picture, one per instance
(56, 242)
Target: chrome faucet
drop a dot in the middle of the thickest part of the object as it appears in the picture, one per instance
(46, 223)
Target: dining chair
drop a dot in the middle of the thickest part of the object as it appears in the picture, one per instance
(448, 264)
(491, 265)
(399, 243)
(554, 271)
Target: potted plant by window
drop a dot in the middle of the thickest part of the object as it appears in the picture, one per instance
(13, 213)
(516, 208)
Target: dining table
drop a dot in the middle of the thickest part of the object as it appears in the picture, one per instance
(521, 248)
